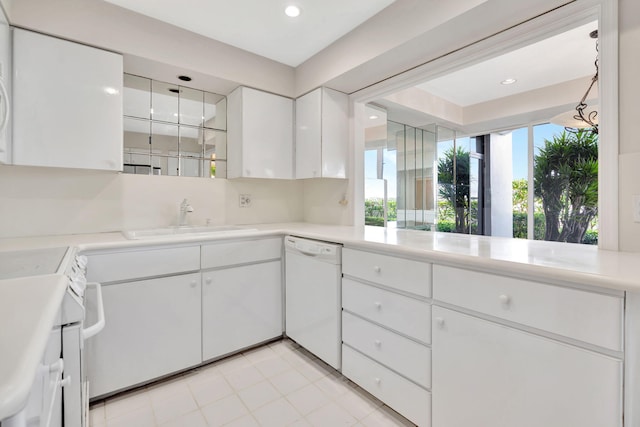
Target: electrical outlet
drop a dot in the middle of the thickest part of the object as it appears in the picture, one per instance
(245, 200)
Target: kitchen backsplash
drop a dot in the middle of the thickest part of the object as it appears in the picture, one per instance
(47, 201)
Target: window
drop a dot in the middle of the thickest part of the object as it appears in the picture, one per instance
(484, 175)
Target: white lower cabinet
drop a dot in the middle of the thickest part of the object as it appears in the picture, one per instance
(409, 399)
(152, 329)
(487, 374)
(241, 307)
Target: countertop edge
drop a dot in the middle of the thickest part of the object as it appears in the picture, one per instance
(14, 391)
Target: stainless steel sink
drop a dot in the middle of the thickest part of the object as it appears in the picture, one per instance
(154, 233)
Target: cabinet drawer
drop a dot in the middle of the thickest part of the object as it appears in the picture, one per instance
(402, 395)
(399, 273)
(401, 354)
(232, 253)
(585, 316)
(404, 314)
(127, 265)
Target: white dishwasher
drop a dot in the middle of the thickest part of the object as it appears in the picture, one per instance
(313, 297)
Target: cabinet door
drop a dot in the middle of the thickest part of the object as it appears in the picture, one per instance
(241, 307)
(67, 103)
(260, 135)
(152, 328)
(485, 374)
(308, 135)
(322, 134)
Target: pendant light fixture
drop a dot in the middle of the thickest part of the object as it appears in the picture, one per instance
(584, 116)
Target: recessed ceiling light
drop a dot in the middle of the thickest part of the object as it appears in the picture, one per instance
(373, 117)
(292, 11)
(508, 81)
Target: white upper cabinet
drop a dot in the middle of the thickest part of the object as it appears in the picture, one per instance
(259, 135)
(67, 104)
(322, 133)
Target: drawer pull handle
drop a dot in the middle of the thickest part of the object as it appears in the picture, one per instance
(66, 381)
(208, 280)
(377, 380)
(193, 283)
(504, 299)
(378, 305)
(377, 269)
(378, 343)
(440, 322)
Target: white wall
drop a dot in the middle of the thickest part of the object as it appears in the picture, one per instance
(629, 111)
(110, 27)
(47, 201)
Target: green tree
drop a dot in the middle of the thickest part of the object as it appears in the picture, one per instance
(453, 183)
(566, 179)
(520, 195)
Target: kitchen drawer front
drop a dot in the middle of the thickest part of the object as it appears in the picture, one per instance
(401, 313)
(399, 273)
(409, 399)
(248, 251)
(585, 316)
(401, 354)
(128, 265)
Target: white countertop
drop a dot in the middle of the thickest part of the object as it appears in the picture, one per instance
(546, 261)
(32, 303)
(28, 309)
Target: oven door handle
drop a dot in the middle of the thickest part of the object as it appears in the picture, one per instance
(99, 325)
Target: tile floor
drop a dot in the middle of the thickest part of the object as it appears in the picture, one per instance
(277, 385)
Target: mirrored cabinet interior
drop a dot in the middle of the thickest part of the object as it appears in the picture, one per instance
(173, 130)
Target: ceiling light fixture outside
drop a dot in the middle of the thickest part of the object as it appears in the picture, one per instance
(292, 11)
(582, 117)
(508, 81)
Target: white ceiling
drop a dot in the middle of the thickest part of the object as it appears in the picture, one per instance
(260, 26)
(557, 59)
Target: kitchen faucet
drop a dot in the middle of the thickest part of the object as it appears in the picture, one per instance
(185, 208)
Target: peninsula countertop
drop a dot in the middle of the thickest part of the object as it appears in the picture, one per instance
(538, 260)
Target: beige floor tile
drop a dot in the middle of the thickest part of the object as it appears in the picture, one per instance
(258, 395)
(333, 385)
(210, 390)
(246, 421)
(276, 414)
(140, 417)
(246, 391)
(244, 377)
(125, 403)
(165, 389)
(385, 417)
(331, 415)
(174, 406)
(358, 404)
(192, 419)
(273, 366)
(224, 411)
(307, 399)
(289, 381)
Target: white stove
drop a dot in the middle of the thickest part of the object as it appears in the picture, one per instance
(71, 409)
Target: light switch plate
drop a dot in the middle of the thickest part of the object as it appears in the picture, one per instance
(245, 200)
(636, 208)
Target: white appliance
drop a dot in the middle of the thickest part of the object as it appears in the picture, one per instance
(67, 402)
(313, 296)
